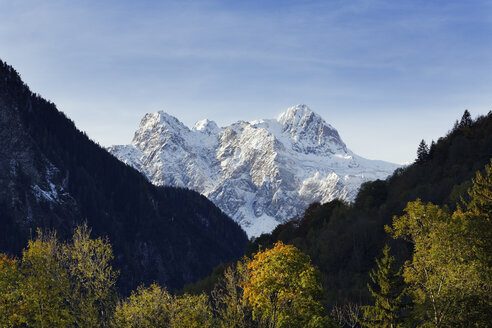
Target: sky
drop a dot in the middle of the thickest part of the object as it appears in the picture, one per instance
(385, 74)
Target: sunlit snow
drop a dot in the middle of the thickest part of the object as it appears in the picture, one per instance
(260, 173)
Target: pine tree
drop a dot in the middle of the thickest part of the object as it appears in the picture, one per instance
(432, 149)
(388, 292)
(456, 125)
(466, 120)
(422, 152)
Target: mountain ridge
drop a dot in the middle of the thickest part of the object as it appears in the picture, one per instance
(261, 173)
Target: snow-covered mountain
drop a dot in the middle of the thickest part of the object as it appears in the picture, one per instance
(260, 173)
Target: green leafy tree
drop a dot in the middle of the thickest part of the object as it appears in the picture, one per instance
(10, 296)
(428, 275)
(192, 311)
(58, 284)
(470, 237)
(450, 275)
(155, 307)
(146, 308)
(481, 194)
(388, 291)
(92, 279)
(44, 285)
(284, 289)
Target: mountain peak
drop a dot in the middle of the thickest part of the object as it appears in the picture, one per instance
(161, 120)
(206, 126)
(309, 131)
(295, 114)
(159, 127)
(165, 118)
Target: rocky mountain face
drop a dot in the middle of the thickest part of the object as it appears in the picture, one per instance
(52, 176)
(260, 173)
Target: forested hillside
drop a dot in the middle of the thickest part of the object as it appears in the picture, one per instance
(52, 176)
(343, 239)
(446, 282)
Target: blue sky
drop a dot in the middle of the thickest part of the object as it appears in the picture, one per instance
(386, 74)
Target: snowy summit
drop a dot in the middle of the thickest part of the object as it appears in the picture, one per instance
(260, 173)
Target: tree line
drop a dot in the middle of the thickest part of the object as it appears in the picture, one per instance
(447, 282)
(72, 284)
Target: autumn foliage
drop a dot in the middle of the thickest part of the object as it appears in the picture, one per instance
(284, 289)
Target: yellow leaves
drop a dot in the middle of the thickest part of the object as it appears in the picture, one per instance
(147, 307)
(191, 311)
(9, 295)
(59, 284)
(155, 307)
(44, 284)
(71, 284)
(283, 287)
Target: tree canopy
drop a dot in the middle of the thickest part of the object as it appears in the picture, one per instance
(284, 289)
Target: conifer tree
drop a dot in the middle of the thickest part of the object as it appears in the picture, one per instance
(466, 120)
(432, 149)
(456, 125)
(388, 292)
(422, 152)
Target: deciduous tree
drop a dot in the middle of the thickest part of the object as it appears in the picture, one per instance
(92, 280)
(450, 275)
(45, 283)
(10, 295)
(146, 308)
(284, 289)
(192, 311)
(227, 296)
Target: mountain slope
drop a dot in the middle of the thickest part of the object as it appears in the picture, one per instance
(54, 176)
(343, 240)
(260, 173)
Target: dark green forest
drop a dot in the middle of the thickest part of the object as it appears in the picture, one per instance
(170, 235)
